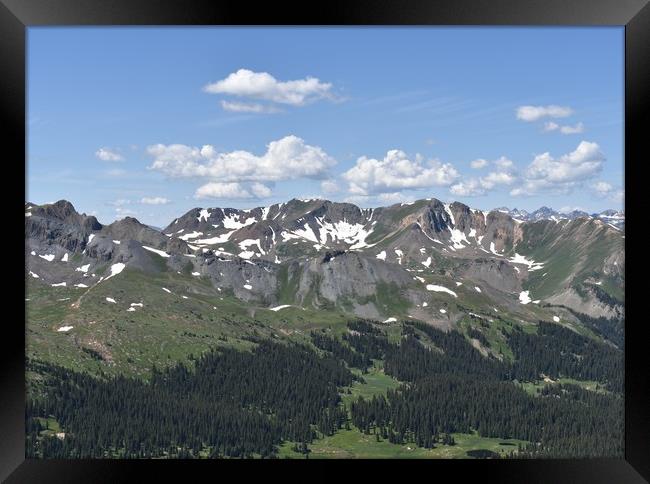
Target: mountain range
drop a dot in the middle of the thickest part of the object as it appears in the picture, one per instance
(321, 254)
(613, 217)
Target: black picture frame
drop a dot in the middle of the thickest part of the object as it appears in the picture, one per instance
(17, 15)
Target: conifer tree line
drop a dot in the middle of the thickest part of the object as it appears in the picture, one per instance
(566, 420)
(453, 388)
(557, 351)
(612, 329)
(232, 403)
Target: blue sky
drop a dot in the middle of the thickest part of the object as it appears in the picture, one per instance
(150, 122)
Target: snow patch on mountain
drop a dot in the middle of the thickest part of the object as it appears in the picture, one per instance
(161, 253)
(524, 297)
(277, 308)
(532, 265)
(231, 222)
(436, 288)
(191, 235)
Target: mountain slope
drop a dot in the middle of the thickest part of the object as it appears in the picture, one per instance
(444, 264)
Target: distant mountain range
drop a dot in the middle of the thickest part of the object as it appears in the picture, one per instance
(610, 216)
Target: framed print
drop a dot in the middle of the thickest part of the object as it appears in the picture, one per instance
(369, 234)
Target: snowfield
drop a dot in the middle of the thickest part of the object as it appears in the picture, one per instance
(277, 308)
(433, 287)
(524, 297)
(161, 253)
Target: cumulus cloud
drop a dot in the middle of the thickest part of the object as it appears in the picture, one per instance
(232, 190)
(578, 128)
(603, 189)
(468, 188)
(585, 161)
(497, 178)
(535, 113)
(260, 191)
(504, 174)
(501, 163)
(551, 126)
(475, 187)
(329, 186)
(396, 171)
(286, 158)
(107, 154)
(504, 163)
(154, 200)
(237, 107)
(561, 175)
(263, 86)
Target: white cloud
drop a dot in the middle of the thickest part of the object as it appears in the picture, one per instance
(395, 172)
(585, 161)
(603, 189)
(497, 178)
(535, 113)
(232, 190)
(551, 126)
(286, 158)
(237, 107)
(578, 128)
(106, 154)
(561, 175)
(475, 187)
(263, 86)
(504, 163)
(330, 186)
(260, 190)
(468, 188)
(155, 200)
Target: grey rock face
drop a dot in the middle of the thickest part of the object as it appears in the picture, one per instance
(59, 224)
(496, 273)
